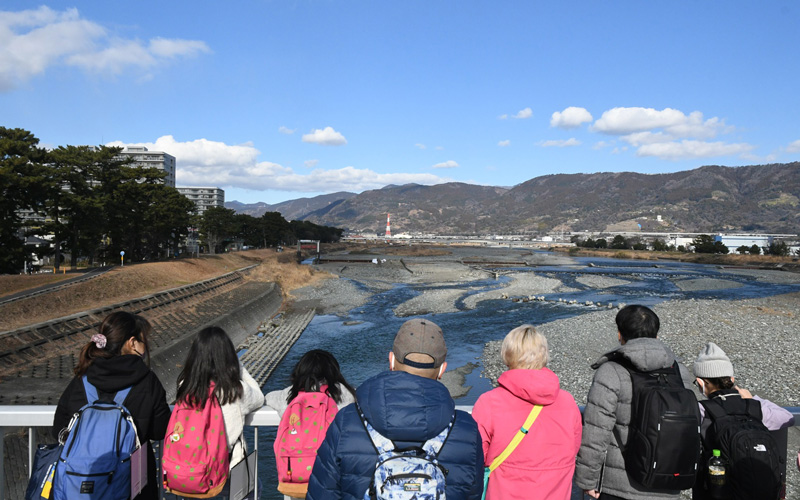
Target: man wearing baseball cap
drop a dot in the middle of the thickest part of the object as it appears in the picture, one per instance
(409, 406)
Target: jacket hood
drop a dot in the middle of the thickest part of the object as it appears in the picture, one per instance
(646, 354)
(539, 387)
(119, 372)
(405, 407)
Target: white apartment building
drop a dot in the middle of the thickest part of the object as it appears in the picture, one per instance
(204, 197)
(153, 159)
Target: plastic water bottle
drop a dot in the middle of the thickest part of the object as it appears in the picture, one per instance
(716, 475)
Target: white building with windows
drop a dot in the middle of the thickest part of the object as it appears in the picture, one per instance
(204, 197)
(152, 159)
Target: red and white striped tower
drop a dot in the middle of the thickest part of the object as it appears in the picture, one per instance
(388, 225)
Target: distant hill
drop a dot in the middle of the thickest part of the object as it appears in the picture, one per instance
(763, 198)
(290, 210)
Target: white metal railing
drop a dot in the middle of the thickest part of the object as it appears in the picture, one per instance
(33, 416)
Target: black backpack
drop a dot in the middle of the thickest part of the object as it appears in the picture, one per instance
(663, 448)
(753, 462)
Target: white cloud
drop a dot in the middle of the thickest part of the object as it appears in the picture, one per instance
(505, 143)
(669, 134)
(439, 148)
(560, 143)
(571, 117)
(524, 113)
(420, 146)
(503, 117)
(446, 164)
(311, 163)
(286, 130)
(325, 137)
(204, 162)
(623, 121)
(34, 40)
(687, 149)
(601, 144)
(794, 147)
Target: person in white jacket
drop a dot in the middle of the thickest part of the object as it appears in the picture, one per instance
(212, 358)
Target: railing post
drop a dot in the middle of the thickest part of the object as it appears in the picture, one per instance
(255, 445)
(2, 463)
(31, 449)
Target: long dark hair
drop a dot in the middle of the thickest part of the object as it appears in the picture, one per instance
(315, 368)
(211, 357)
(117, 328)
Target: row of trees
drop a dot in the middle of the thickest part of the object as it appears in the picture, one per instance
(96, 203)
(704, 243)
(221, 226)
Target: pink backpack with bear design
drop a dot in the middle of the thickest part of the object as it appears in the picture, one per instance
(300, 433)
(196, 460)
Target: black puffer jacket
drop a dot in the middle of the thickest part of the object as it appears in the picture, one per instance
(147, 403)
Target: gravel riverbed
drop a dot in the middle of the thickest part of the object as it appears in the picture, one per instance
(759, 335)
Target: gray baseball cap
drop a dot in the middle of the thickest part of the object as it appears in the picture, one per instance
(420, 336)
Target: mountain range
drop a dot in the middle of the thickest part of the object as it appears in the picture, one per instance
(757, 198)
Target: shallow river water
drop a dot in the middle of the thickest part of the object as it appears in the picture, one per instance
(362, 349)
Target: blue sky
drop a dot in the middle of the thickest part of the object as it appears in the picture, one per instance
(276, 100)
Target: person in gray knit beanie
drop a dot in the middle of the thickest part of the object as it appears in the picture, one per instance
(712, 362)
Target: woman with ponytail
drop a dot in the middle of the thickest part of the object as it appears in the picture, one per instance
(117, 357)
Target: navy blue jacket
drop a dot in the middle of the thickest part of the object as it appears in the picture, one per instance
(409, 410)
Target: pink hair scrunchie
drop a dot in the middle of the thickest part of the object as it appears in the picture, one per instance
(99, 340)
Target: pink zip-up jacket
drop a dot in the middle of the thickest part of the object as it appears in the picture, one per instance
(541, 467)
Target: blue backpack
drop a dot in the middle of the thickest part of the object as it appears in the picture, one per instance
(410, 473)
(95, 459)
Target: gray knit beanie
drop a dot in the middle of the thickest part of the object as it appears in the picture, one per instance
(712, 363)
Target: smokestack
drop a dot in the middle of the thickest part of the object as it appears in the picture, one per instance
(388, 225)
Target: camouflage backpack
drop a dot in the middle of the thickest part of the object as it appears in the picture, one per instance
(409, 473)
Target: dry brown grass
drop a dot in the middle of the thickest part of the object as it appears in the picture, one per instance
(402, 250)
(13, 283)
(132, 281)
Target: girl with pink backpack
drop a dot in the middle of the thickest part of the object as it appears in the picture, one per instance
(318, 388)
(215, 394)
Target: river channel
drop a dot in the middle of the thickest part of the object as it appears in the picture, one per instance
(361, 338)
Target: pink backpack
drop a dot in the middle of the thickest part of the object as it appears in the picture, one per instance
(195, 461)
(300, 433)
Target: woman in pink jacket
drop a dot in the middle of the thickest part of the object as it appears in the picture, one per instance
(542, 465)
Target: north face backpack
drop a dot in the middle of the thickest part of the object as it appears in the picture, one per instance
(663, 448)
(95, 458)
(196, 460)
(410, 473)
(753, 462)
(300, 433)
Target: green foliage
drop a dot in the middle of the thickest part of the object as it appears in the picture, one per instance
(659, 245)
(216, 226)
(20, 176)
(778, 247)
(755, 250)
(601, 243)
(706, 244)
(619, 242)
(743, 249)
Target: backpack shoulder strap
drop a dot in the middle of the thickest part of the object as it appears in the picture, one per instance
(754, 409)
(120, 396)
(91, 391)
(434, 445)
(381, 443)
(92, 394)
(714, 410)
